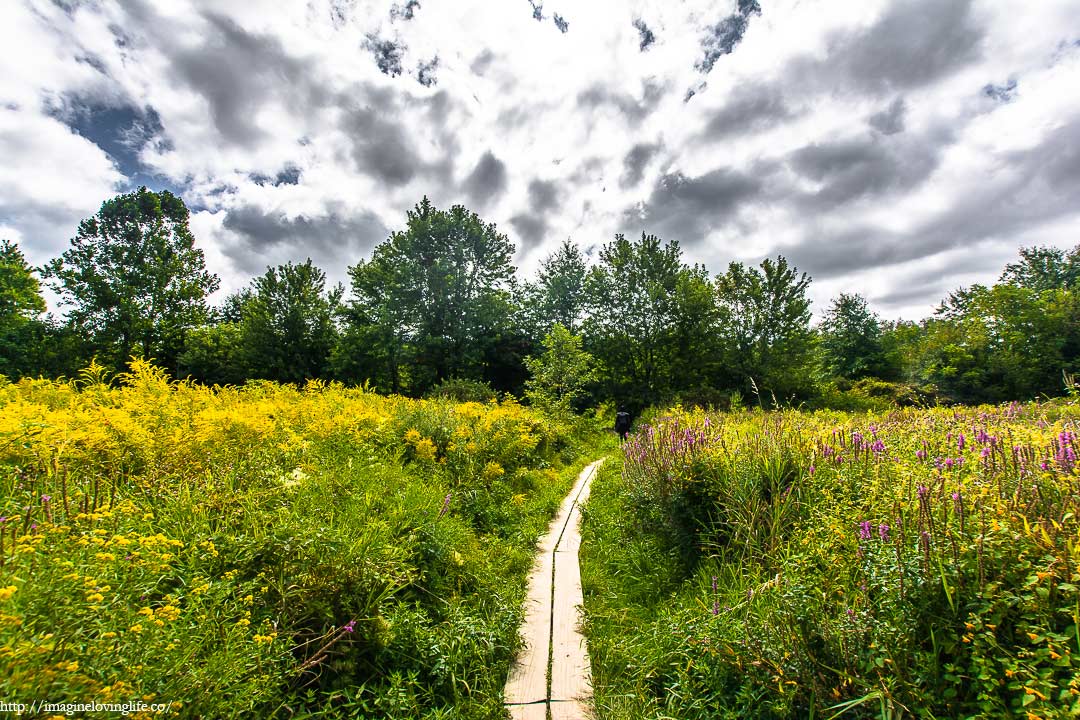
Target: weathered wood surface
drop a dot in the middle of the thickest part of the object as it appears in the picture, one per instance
(552, 628)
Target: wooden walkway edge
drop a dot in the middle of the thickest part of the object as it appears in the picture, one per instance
(552, 629)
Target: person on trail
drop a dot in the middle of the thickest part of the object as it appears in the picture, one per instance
(622, 422)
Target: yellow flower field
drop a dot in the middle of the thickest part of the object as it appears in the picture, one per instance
(238, 550)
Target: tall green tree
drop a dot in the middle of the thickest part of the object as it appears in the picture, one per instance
(1042, 268)
(1005, 342)
(133, 279)
(434, 302)
(641, 322)
(20, 291)
(558, 295)
(764, 321)
(22, 329)
(288, 323)
(851, 339)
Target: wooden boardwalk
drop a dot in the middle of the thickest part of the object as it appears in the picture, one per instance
(552, 629)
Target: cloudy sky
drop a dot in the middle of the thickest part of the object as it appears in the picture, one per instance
(897, 148)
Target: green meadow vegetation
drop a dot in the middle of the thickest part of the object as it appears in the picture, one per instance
(269, 551)
(307, 501)
(787, 564)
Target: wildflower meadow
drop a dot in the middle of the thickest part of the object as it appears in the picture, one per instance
(909, 563)
(269, 550)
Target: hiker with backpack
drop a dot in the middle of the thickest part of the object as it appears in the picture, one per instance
(622, 423)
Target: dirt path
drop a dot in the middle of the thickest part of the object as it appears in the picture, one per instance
(551, 628)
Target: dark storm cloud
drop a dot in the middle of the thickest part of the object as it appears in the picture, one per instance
(333, 237)
(890, 121)
(919, 289)
(686, 209)
(236, 72)
(635, 162)
(635, 110)
(750, 108)
(645, 35)
(46, 227)
(380, 147)
(530, 228)
(487, 180)
(1041, 189)
(913, 44)
(289, 175)
(543, 195)
(849, 170)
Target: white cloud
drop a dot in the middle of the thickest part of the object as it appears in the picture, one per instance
(250, 92)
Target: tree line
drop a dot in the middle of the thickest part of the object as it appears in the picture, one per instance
(438, 307)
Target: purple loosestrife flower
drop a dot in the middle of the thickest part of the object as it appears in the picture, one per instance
(350, 626)
(949, 462)
(922, 490)
(3, 519)
(960, 442)
(446, 503)
(811, 471)
(715, 607)
(920, 454)
(714, 583)
(878, 446)
(883, 531)
(46, 498)
(864, 530)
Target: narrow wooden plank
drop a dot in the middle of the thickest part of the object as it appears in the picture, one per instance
(527, 682)
(528, 712)
(571, 671)
(551, 628)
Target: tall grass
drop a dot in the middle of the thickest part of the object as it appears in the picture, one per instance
(915, 563)
(267, 551)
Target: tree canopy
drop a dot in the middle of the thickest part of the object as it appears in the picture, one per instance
(764, 315)
(133, 279)
(434, 299)
(437, 307)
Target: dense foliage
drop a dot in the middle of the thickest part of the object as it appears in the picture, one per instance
(295, 551)
(134, 279)
(910, 563)
(438, 302)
